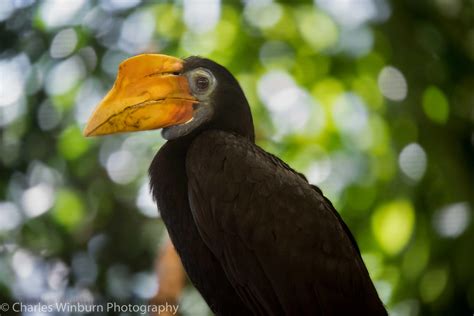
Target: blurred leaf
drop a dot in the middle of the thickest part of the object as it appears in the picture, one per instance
(317, 28)
(433, 283)
(68, 210)
(435, 105)
(392, 225)
(72, 144)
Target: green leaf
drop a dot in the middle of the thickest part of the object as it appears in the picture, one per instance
(72, 144)
(392, 225)
(435, 105)
(68, 210)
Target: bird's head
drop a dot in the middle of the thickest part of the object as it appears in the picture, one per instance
(181, 96)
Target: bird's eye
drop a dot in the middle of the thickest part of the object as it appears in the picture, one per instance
(202, 83)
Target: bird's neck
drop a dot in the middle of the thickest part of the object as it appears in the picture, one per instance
(168, 184)
(233, 115)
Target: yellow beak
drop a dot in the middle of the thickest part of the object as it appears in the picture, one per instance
(148, 94)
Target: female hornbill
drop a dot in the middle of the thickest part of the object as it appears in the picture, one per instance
(254, 236)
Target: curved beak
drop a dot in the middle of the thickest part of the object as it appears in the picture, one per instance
(149, 93)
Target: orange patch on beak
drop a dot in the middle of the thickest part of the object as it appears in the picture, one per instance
(148, 94)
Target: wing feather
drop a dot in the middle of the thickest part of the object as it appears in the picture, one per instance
(281, 243)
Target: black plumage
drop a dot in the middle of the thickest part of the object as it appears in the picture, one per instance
(253, 235)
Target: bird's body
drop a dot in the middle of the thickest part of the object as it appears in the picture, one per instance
(254, 236)
(244, 222)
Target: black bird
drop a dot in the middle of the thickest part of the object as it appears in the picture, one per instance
(254, 236)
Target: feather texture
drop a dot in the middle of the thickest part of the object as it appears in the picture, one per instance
(280, 242)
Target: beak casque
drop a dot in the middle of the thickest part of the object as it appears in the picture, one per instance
(148, 94)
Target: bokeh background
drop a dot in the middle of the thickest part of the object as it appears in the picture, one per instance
(372, 99)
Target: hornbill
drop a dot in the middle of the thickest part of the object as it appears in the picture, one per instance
(254, 236)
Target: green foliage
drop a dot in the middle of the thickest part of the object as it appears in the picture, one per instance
(392, 225)
(435, 105)
(68, 210)
(72, 144)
